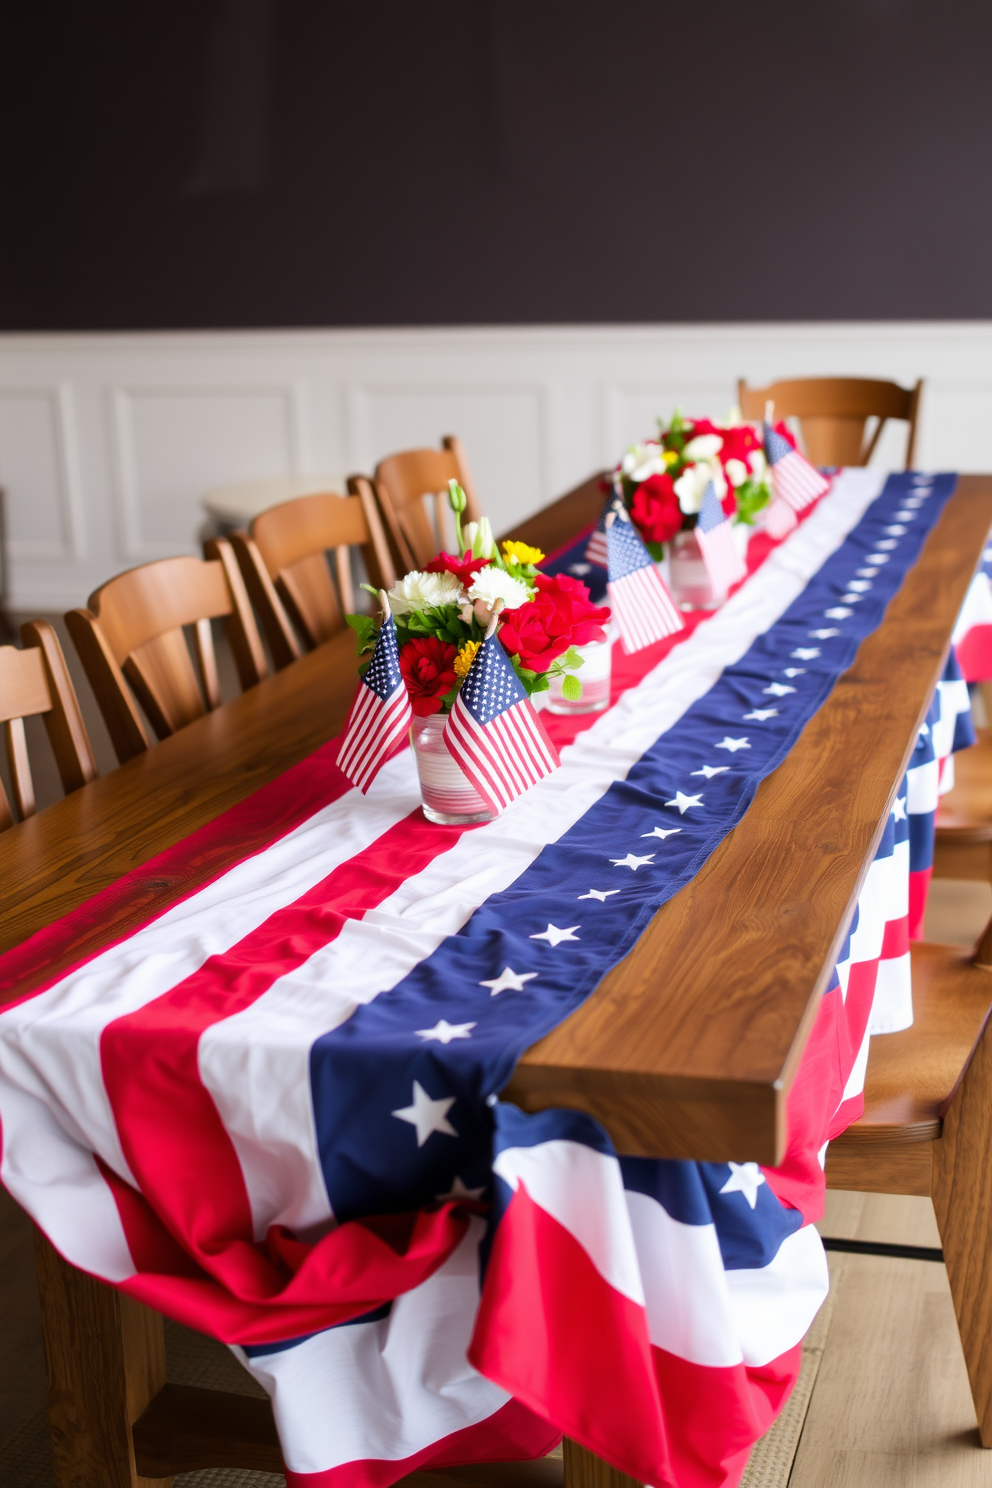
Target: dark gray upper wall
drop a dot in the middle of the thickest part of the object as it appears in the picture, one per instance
(249, 163)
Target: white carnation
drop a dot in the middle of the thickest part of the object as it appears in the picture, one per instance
(421, 591)
(736, 472)
(691, 485)
(642, 460)
(491, 584)
(703, 447)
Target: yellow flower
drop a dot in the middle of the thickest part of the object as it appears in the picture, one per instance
(671, 457)
(465, 658)
(518, 552)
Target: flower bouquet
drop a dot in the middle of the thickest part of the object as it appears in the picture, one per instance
(664, 480)
(443, 618)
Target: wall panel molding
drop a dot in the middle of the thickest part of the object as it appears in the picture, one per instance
(116, 437)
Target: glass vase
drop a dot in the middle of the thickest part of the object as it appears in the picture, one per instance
(690, 583)
(594, 674)
(448, 797)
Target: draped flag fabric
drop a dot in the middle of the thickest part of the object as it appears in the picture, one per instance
(379, 715)
(642, 606)
(973, 632)
(273, 1110)
(493, 731)
(794, 479)
(715, 536)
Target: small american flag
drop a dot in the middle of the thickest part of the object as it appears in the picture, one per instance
(644, 609)
(493, 731)
(596, 547)
(780, 518)
(379, 716)
(715, 536)
(794, 479)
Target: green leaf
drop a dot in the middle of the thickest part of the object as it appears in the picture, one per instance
(571, 688)
(366, 629)
(571, 661)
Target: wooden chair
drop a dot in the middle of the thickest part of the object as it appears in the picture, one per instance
(134, 629)
(36, 681)
(402, 482)
(833, 413)
(283, 558)
(927, 1129)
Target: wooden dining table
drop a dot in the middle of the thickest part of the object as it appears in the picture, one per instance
(686, 1049)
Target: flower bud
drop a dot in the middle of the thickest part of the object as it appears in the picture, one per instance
(456, 496)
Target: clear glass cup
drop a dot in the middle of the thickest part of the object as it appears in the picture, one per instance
(690, 583)
(594, 674)
(448, 796)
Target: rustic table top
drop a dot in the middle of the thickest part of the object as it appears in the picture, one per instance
(687, 1048)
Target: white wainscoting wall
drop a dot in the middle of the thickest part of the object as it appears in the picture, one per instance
(107, 442)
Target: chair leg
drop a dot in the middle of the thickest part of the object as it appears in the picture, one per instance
(104, 1363)
(962, 1199)
(583, 1469)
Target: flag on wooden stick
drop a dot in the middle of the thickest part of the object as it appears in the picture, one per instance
(380, 714)
(645, 611)
(493, 731)
(794, 479)
(715, 535)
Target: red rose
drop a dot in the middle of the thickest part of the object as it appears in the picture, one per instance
(462, 568)
(428, 667)
(560, 615)
(655, 509)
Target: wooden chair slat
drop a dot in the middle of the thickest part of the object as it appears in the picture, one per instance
(309, 597)
(833, 413)
(207, 659)
(19, 766)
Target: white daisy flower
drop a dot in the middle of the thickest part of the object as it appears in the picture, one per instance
(491, 584)
(419, 591)
(736, 472)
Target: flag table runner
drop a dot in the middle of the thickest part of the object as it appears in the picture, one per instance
(273, 1111)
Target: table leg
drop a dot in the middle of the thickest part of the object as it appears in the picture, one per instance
(584, 1469)
(104, 1363)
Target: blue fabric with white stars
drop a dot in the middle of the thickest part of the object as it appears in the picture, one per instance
(694, 784)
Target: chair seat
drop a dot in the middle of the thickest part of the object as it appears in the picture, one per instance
(965, 813)
(911, 1075)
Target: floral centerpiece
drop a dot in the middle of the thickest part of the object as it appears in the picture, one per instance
(442, 612)
(663, 480)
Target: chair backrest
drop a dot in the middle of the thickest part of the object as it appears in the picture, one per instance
(284, 559)
(403, 481)
(36, 681)
(134, 629)
(833, 413)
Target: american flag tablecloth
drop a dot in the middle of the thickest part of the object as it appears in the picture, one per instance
(273, 1111)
